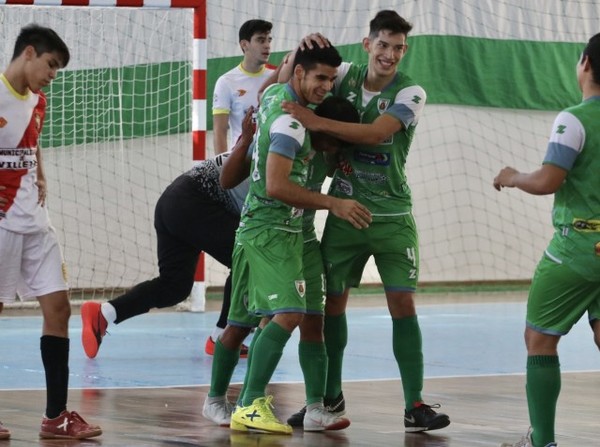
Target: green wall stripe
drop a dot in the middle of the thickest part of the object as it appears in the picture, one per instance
(509, 74)
(155, 99)
(128, 102)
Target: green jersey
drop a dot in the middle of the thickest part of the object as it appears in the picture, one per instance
(375, 175)
(279, 133)
(575, 146)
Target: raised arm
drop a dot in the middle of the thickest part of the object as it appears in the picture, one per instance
(220, 127)
(236, 166)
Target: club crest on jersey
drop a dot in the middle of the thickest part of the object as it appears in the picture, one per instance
(345, 167)
(382, 105)
(3, 122)
(301, 287)
(242, 92)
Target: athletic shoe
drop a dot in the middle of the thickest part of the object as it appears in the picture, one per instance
(218, 409)
(423, 418)
(209, 348)
(317, 418)
(68, 425)
(526, 441)
(93, 328)
(4, 432)
(296, 420)
(259, 417)
(335, 406)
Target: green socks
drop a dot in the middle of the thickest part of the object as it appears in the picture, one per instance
(313, 360)
(336, 338)
(543, 388)
(267, 352)
(408, 351)
(224, 362)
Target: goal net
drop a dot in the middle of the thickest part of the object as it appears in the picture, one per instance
(117, 131)
(118, 128)
(496, 74)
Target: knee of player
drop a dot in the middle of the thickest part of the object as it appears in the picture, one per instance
(176, 293)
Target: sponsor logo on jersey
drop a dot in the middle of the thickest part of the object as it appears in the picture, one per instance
(344, 187)
(587, 226)
(373, 158)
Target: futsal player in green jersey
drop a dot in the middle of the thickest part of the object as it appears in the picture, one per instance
(311, 348)
(268, 274)
(566, 283)
(373, 172)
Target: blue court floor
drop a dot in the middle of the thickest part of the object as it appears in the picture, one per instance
(167, 348)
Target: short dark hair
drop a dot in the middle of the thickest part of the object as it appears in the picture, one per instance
(388, 20)
(310, 57)
(592, 51)
(339, 109)
(43, 40)
(252, 27)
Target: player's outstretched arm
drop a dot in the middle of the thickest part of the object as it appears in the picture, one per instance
(543, 181)
(366, 133)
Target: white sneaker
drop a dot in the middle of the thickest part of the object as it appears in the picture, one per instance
(526, 441)
(218, 409)
(317, 418)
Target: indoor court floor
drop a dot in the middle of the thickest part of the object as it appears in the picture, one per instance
(147, 384)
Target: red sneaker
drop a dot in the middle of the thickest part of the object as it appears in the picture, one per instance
(4, 433)
(209, 348)
(68, 426)
(93, 328)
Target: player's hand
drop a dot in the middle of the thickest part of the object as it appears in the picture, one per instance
(248, 124)
(306, 116)
(307, 42)
(41, 184)
(505, 178)
(3, 200)
(352, 211)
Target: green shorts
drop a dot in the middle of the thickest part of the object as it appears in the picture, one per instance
(393, 242)
(267, 277)
(314, 274)
(559, 297)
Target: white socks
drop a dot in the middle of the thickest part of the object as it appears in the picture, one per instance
(108, 312)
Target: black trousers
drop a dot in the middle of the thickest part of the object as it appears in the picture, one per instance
(187, 222)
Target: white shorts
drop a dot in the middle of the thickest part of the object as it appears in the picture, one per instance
(32, 265)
